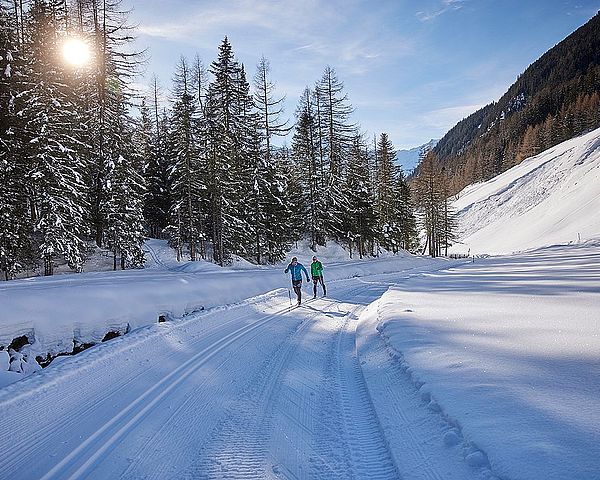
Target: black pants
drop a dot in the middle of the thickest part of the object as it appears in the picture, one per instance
(317, 280)
(297, 284)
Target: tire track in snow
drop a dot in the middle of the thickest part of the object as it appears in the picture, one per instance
(369, 453)
(349, 443)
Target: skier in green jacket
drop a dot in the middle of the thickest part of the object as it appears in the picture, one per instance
(316, 270)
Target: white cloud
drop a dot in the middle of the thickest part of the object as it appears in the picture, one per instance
(446, 6)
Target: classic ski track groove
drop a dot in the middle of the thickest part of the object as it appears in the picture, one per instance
(29, 444)
(243, 437)
(140, 407)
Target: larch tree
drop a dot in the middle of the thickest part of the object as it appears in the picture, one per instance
(305, 151)
(267, 198)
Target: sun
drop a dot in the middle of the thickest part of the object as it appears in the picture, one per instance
(76, 51)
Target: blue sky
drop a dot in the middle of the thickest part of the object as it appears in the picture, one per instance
(411, 68)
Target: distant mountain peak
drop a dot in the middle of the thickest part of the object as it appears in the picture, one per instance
(408, 159)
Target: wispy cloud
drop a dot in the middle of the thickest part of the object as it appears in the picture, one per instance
(444, 118)
(285, 28)
(446, 6)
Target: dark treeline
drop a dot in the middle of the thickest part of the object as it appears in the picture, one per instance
(555, 99)
(77, 170)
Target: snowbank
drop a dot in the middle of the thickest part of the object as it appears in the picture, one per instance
(552, 198)
(508, 349)
(58, 314)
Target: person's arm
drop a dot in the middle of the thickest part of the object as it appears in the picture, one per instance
(306, 273)
(287, 269)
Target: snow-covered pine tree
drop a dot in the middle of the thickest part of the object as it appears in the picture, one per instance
(15, 226)
(336, 134)
(305, 151)
(269, 212)
(360, 223)
(157, 201)
(186, 173)
(242, 231)
(51, 132)
(291, 177)
(123, 207)
(228, 180)
(386, 178)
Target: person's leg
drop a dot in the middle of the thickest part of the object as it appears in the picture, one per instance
(323, 285)
(298, 290)
(315, 280)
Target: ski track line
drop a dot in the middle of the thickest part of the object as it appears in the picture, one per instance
(242, 443)
(143, 404)
(29, 444)
(194, 404)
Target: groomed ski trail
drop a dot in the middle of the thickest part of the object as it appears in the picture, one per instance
(254, 390)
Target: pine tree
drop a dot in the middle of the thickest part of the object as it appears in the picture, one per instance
(123, 212)
(336, 134)
(157, 203)
(58, 191)
(230, 142)
(409, 239)
(15, 227)
(187, 185)
(386, 191)
(360, 222)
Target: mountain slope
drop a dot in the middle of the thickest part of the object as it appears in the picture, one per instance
(547, 199)
(556, 98)
(409, 159)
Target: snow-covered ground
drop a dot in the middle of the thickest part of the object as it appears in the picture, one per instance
(507, 349)
(410, 368)
(552, 198)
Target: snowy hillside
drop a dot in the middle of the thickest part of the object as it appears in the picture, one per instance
(409, 159)
(552, 198)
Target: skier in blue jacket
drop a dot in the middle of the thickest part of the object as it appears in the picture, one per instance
(296, 269)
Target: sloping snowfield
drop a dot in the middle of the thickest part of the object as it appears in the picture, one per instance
(552, 198)
(409, 368)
